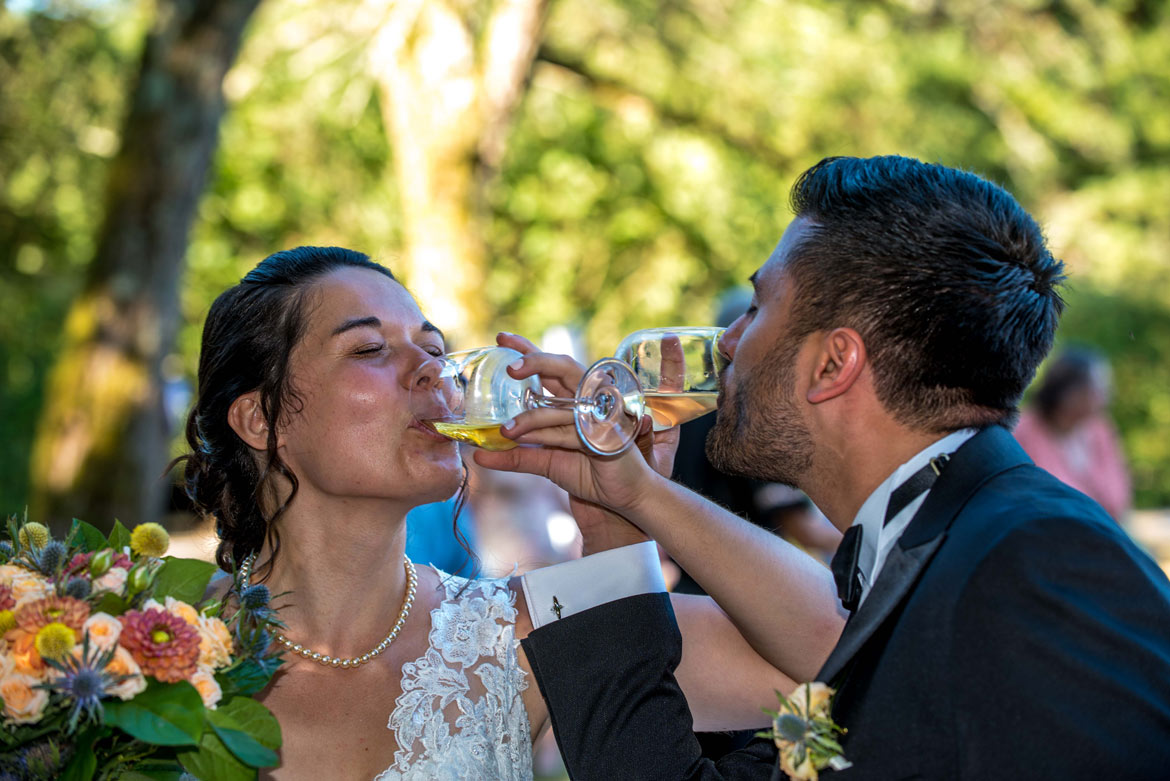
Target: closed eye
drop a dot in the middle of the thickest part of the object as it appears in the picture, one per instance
(370, 349)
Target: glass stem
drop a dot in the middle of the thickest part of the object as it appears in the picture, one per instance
(554, 402)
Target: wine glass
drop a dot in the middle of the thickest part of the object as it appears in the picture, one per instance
(468, 395)
(677, 369)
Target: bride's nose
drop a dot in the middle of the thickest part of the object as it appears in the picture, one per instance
(426, 375)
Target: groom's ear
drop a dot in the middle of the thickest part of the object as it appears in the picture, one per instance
(839, 363)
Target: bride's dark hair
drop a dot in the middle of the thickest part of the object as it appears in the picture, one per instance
(248, 338)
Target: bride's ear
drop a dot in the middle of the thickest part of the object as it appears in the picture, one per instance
(246, 417)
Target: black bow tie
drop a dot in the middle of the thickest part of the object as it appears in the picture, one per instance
(844, 564)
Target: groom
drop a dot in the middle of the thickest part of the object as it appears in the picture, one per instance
(1000, 624)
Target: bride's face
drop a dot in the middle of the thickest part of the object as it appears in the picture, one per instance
(352, 435)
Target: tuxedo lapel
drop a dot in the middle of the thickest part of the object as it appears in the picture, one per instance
(985, 455)
(897, 576)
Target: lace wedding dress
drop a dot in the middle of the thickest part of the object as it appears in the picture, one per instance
(460, 715)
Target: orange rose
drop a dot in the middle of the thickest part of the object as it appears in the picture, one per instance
(123, 664)
(204, 682)
(26, 585)
(103, 630)
(23, 703)
(215, 643)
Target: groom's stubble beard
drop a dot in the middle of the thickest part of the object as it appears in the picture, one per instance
(761, 434)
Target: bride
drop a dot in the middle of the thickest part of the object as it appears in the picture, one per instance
(305, 452)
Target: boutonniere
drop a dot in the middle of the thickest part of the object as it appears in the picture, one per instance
(805, 734)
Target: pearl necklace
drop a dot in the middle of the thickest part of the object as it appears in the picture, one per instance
(337, 661)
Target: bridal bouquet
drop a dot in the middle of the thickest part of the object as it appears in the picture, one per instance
(112, 666)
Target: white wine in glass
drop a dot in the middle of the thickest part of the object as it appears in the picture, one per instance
(677, 369)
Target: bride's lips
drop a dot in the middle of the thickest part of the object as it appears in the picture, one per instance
(427, 431)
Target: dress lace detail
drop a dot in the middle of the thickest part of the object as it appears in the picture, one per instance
(460, 715)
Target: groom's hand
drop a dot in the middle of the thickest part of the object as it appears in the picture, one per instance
(617, 483)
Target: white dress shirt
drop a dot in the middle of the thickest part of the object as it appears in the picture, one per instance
(877, 537)
(561, 590)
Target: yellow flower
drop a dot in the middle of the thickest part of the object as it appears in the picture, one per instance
(7, 621)
(208, 688)
(23, 702)
(33, 534)
(103, 630)
(54, 640)
(805, 771)
(149, 539)
(812, 698)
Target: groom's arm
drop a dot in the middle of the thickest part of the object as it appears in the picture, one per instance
(607, 675)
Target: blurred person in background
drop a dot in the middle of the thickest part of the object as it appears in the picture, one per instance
(432, 538)
(1066, 429)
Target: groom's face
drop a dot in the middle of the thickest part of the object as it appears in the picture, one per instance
(760, 430)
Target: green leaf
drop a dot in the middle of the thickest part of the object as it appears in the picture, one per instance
(119, 537)
(84, 763)
(88, 537)
(213, 760)
(246, 676)
(111, 604)
(248, 729)
(152, 769)
(184, 579)
(165, 714)
(143, 774)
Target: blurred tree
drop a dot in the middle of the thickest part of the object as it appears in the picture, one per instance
(451, 72)
(64, 79)
(103, 434)
(645, 166)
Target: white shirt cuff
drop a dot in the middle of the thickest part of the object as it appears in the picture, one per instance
(561, 590)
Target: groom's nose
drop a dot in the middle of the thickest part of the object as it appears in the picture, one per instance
(729, 341)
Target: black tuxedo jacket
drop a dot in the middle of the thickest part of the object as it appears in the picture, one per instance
(1014, 631)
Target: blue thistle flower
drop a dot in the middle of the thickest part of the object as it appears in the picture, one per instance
(6, 549)
(78, 588)
(255, 597)
(51, 557)
(43, 760)
(259, 642)
(83, 680)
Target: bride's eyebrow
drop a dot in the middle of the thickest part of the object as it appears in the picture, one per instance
(356, 322)
(428, 327)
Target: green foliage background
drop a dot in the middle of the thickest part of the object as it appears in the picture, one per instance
(646, 170)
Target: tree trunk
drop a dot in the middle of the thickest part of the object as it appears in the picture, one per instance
(103, 437)
(448, 93)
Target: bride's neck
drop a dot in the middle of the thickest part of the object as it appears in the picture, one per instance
(343, 570)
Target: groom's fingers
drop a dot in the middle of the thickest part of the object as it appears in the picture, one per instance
(533, 460)
(536, 420)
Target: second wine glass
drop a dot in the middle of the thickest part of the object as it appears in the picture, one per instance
(677, 369)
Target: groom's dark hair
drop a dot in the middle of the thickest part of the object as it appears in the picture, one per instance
(944, 275)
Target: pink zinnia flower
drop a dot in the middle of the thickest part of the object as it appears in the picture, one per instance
(164, 645)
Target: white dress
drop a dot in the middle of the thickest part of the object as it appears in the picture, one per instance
(460, 715)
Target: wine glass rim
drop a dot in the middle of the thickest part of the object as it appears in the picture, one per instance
(680, 329)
